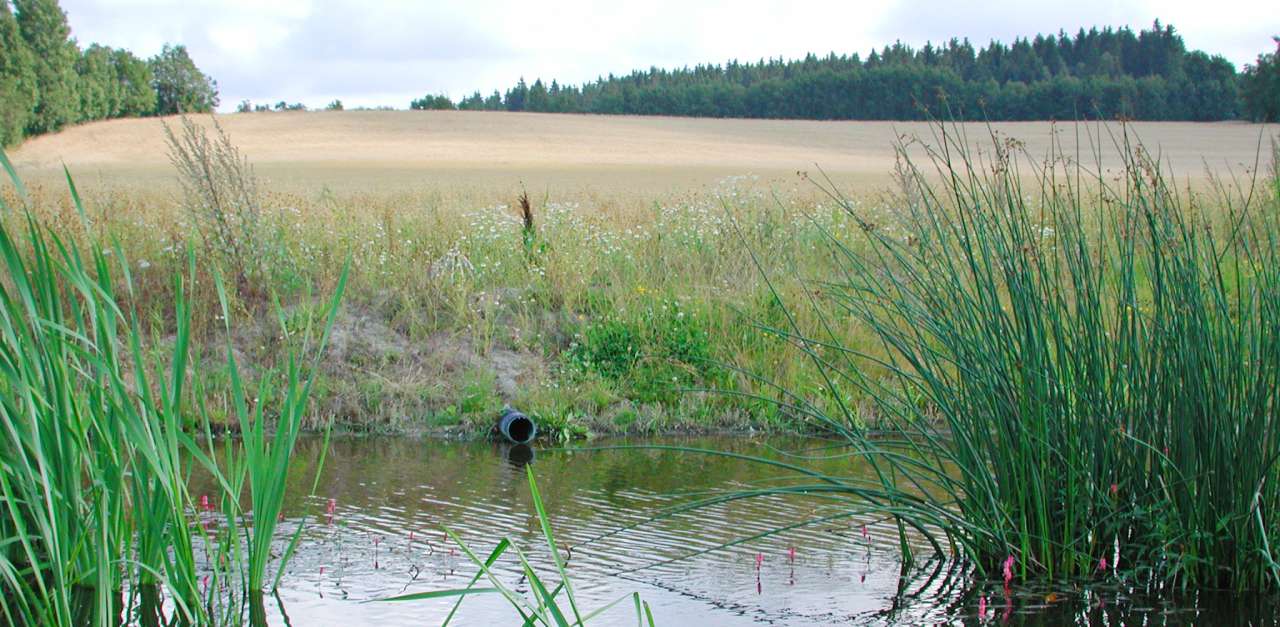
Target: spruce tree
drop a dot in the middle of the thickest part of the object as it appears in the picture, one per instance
(44, 28)
(17, 79)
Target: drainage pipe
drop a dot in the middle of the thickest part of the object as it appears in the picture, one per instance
(516, 427)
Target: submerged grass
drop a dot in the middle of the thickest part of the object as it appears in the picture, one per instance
(97, 521)
(547, 606)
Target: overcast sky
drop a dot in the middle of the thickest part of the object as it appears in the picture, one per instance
(386, 52)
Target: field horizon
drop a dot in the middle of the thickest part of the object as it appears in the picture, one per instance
(364, 151)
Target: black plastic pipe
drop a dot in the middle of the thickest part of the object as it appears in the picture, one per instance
(516, 427)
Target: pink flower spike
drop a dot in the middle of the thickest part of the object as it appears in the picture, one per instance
(1114, 488)
(1008, 570)
(982, 607)
(759, 560)
(1102, 564)
(791, 553)
(865, 534)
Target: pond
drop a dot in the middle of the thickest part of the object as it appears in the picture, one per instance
(391, 497)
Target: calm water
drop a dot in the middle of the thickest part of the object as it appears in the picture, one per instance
(392, 497)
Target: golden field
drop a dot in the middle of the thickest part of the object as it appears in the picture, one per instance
(363, 151)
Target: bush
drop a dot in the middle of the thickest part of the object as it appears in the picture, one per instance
(221, 199)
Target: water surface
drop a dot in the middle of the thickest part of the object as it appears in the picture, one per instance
(392, 497)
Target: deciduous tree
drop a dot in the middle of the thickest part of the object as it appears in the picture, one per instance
(179, 85)
(44, 28)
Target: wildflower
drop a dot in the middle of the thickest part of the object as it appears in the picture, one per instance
(759, 560)
(1008, 570)
(1114, 488)
(1102, 564)
(982, 607)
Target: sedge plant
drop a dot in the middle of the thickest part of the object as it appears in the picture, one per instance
(549, 605)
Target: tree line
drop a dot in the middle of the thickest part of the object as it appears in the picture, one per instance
(1099, 73)
(48, 82)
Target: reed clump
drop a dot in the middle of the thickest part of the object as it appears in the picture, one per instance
(95, 450)
(1074, 378)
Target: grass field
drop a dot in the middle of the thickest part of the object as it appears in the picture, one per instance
(636, 284)
(381, 151)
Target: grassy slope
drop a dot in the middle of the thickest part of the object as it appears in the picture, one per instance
(636, 283)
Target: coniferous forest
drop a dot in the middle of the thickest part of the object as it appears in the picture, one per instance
(1099, 73)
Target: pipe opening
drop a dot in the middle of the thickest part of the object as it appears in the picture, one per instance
(517, 427)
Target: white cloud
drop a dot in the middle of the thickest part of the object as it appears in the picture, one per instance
(388, 51)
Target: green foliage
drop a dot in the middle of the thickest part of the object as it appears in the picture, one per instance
(135, 96)
(17, 79)
(1261, 87)
(476, 102)
(264, 455)
(46, 82)
(610, 347)
(112, 84)
(99, 98)
(103, 428)
(44, 28)
(479, 395)
(1083, 370)
(93, 447)
(1103, 74)
(654, 357)
(179, 85)
(336, 105)
(427, 103)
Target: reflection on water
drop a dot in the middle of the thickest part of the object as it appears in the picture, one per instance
(382, 503)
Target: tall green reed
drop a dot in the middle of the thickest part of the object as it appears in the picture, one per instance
(261, 458)
(94, 459)
(1075, 373)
